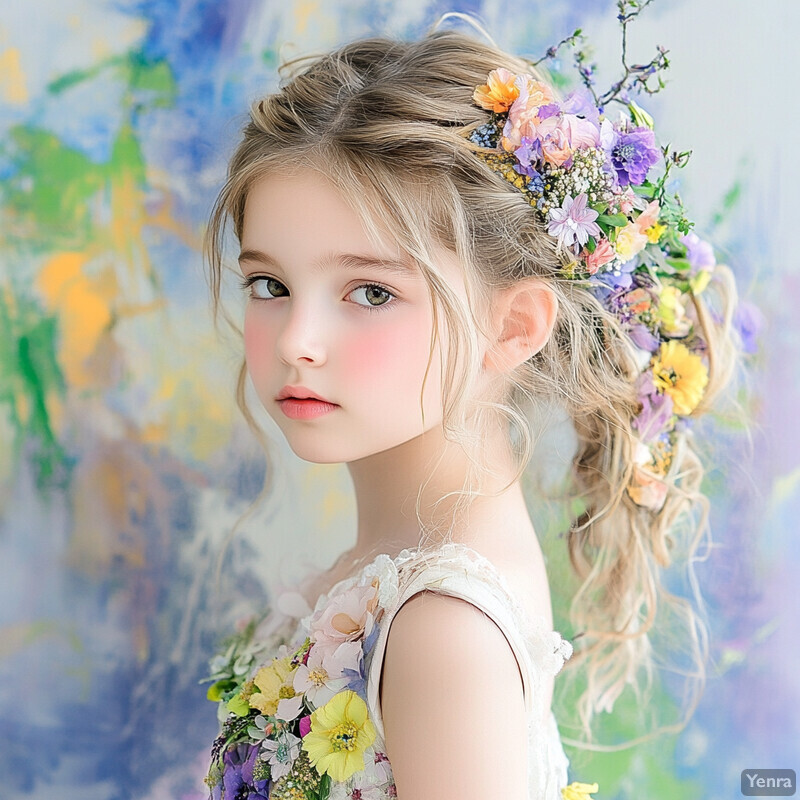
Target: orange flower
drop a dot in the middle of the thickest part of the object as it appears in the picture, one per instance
(556, 149)
(647, 490)
(498, 93)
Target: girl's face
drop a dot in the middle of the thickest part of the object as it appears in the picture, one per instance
(332, 316)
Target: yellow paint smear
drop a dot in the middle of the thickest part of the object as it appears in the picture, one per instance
(303, 13)
(13, 89)
(84, 314)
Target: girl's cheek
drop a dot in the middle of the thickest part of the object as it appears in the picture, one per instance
(258, 343)
(390, 349)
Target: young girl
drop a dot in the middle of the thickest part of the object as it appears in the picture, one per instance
(433, 246)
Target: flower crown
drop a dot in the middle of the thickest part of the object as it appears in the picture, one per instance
(594, 184)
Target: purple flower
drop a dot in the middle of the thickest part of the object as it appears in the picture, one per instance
(573, 222)
(237, 772)
(748, 321)
(550, 110)
(632, 155)
(619, 276)
(699, 253)
(581, 103)
(656, 411)
(528, 151)
(643, 339)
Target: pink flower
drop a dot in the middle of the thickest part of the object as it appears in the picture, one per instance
(532, 96)
(347, 617)
(603, 253)
(624, 201)
(580, 132)
(648, 217)
(573, 222)
(305, 725)
(556, 148)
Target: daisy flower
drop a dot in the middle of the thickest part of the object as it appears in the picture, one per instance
(281, 753)
(681, 374)
(323, 674)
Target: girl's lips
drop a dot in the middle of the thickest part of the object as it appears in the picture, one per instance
(305, 408)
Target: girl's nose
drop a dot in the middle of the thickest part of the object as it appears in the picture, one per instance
(301, 339)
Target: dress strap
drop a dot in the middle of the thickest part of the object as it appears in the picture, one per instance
(456, 574)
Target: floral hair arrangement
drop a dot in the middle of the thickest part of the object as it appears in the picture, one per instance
(599, 186)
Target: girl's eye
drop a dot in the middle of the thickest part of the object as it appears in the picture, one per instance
(372, 295)
(263, 288)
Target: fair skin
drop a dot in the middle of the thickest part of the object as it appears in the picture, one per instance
(351, 321)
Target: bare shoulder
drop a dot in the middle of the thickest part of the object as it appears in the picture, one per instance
(451, 699)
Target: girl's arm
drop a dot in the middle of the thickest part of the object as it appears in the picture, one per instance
(452, 704)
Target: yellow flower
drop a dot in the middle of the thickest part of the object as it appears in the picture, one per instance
(699, 281)
(680, 374)
(499, 93)
(671, 312)
(630, 241)
(274, 683)
(340, 733)
(579, 791)
(653, 233)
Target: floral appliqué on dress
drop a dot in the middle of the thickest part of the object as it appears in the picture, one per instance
(297, 727)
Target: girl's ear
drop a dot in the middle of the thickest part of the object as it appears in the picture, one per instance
(523, 317)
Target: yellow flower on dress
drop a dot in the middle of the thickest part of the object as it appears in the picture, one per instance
(275, 684)
(340, 733)
(680, 374)
(579, 791)
(499, 93)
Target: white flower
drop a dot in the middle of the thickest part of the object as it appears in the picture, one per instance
(281, 753)
(289, 707)
(359, 786)
(322, 676)
(385, 570)
(377, 766)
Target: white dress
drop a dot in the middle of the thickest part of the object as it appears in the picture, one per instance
(452, 569)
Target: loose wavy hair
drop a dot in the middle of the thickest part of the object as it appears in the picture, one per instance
(384, 121)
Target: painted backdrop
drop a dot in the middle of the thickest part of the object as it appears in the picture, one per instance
(123, 465)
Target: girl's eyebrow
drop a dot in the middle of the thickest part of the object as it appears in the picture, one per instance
(347, 260)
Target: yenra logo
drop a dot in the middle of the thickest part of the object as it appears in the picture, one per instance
(769, 782)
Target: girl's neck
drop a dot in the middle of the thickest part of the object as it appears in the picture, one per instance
(434, 469)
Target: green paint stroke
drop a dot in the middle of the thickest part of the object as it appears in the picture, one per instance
(29, 373)
(647, 769)
(51, 185)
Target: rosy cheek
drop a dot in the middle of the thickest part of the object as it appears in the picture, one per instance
(259, 343)
(392, 351)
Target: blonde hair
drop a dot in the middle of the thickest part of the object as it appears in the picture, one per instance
(384, 121)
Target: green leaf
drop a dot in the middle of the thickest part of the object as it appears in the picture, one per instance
(237, 705)
(679, 264)
(640, 116)
(591, 245)
(325, 787)
(615, 220)
(217, 690)
(645, 190)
